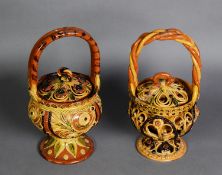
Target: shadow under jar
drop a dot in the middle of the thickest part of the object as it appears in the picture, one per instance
(64, 104)
(163, 108)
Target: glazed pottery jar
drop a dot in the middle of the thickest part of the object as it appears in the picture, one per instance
(162, 107)
(64, 104)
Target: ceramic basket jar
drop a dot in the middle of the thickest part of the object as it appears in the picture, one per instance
(162, 107)
(64, 104)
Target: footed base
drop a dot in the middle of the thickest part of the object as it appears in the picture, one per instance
(66, 151)
(162, 151)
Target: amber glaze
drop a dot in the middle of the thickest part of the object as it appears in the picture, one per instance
(65, 105)
(162, 107)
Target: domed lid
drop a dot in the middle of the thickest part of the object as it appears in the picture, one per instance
(64, 86)
(163, 90)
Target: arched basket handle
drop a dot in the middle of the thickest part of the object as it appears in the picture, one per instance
(165, 34)
(56, 34)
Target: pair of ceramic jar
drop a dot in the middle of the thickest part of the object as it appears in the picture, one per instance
(65, 104)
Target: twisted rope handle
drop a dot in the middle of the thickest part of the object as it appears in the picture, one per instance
(56, 34)
(165, 34)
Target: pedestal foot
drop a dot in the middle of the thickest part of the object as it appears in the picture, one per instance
(66, 151)
(162, 151)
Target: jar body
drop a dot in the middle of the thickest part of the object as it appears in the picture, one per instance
(66, 125)
(162, 128)
(178, 120)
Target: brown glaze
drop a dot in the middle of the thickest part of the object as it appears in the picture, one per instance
(60, 159)
(65, 104)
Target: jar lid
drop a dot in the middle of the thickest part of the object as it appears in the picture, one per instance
(64, 86)
(163, 91)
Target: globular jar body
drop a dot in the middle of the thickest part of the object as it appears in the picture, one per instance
(65, 104)
(162, 107)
